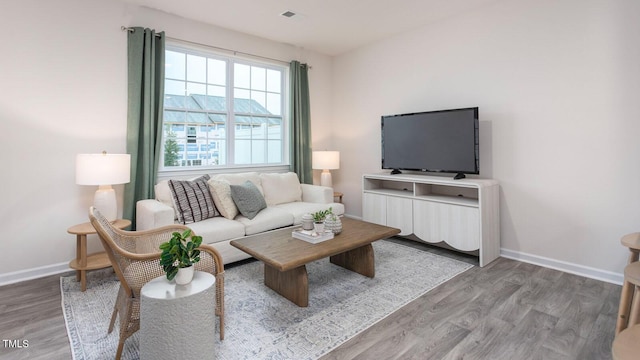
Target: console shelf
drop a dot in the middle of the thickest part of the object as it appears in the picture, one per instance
(463, 214)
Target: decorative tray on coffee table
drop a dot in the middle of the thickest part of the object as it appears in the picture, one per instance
(312, 236)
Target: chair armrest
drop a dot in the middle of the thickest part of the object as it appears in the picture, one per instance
(316, 194)
(151, 214)
(218, 267)
(144, 245)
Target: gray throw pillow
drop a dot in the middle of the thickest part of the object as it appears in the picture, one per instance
(248, 199)
(192, 199)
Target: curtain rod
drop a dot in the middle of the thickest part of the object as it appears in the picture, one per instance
(235, 52)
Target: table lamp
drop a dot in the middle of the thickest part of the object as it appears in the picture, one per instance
(325, 161)
(104, 170)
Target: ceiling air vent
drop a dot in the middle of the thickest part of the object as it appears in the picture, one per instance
(288, 14)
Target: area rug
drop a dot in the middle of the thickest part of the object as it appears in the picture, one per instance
(261, 324)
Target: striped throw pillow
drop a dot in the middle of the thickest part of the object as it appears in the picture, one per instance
(192, 199)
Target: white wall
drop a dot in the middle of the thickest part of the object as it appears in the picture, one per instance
(558, 86)
(64, 91)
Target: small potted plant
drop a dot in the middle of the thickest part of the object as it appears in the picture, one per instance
(318, 220)
(178, 256)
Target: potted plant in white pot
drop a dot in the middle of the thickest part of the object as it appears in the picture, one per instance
(179, 254)
(318, 220)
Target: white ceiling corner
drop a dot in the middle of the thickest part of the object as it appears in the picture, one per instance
(330, 27)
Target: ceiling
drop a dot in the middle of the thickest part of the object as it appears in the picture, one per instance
(330, 27)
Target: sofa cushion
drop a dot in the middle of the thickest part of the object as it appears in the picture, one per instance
(248, 199)
(217, 229)
(192, 199)
(281, 188)
(221, 193)
(268, 219)
(297, 209)
(241, 178)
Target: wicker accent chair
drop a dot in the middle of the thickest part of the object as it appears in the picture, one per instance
(135, 256)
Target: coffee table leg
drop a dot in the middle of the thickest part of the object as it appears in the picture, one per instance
(292, 284)
(360, 260)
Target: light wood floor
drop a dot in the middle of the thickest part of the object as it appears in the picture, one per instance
(506, 310)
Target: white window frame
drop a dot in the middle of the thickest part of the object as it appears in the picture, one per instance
(230, 166)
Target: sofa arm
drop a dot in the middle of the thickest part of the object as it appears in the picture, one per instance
(151, 214)
(317, 194)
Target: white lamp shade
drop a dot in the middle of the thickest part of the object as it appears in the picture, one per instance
(325, 160)
(103, 169)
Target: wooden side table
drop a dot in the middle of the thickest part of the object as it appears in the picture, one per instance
(82, 262)
(338, 195)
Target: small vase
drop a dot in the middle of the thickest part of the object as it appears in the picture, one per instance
(318, 227)
(184, 275)
(307, 222)
(334, 224)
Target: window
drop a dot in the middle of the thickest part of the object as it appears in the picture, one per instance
(222, 111)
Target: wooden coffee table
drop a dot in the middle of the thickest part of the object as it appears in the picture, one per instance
(285, 257)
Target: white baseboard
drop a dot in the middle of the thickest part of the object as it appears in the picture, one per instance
(586, 271)
(28, 274)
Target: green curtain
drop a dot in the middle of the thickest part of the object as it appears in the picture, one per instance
(144, 115)
(300, 135)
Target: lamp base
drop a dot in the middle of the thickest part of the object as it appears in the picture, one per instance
(105, 201)
(325, 179)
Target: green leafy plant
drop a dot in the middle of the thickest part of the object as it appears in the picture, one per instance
(319, 216)
(179, 252)
(171, 149)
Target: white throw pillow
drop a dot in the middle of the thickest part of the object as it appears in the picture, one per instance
(241, 178)
(221, 193)
(281, 188)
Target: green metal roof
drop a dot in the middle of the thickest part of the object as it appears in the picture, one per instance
(214, 104)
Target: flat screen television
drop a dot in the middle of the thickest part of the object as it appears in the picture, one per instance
(432, 141)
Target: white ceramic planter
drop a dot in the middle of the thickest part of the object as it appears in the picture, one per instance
(334, 224)
(184, 275)
(318, 227)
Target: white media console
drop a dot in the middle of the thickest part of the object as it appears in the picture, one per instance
(463, 214)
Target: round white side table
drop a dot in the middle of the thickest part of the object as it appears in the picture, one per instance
(178, 321)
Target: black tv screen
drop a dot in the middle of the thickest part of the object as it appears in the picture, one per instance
(432, 141)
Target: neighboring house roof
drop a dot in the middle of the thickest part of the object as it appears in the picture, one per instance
(210, 103)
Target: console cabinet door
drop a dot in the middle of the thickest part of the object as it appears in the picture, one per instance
(400, 214)
(427, 221)
(463, 224)
(374, 208)
(458, 226)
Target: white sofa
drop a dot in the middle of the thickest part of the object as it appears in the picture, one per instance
(287, 200)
